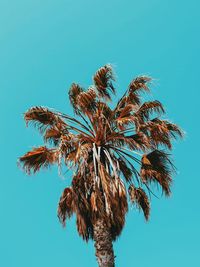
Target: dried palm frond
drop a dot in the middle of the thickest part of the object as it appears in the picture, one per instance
(140, 198)
(42, 118)
(66, 205)
(119, 209)
(126, 171)
(103, 81)
(157, 167)
(148, 108)
(37, 158)
(173, 129)
(52, 135)
(140, 83)
(74, 92)
(140, 140)
(104, 109)
(86, 100)
(135, 142)
(161, 131)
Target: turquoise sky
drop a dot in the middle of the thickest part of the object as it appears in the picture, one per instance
(44, 47)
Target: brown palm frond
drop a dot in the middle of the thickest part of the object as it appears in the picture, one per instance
(141, 140)
(52, 135)
(82, 206)
(119, 206)
(84, 226)
(174, 130)
(132, 96)
(140, 198)
(148, 108)
(66, 205)
(37, 158)
(86, 101)
(122, 102)
(131, 191)
(105, 110)
(135, 142)
(134, 172)
(81, 154)
(42, 118)
(127, 110)
(158, 134)
(74, 92)
(103, 81)
(161, 132)
(123, 123)
(126, 171)
(140, 83)
(157, 167)
(130, 114)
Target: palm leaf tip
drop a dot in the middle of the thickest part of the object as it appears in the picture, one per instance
(103, 81)
(74, 92)
(140, 83)
(65, 205)
(140, 198)
(37, 158)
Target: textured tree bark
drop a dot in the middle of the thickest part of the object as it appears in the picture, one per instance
(103, 245)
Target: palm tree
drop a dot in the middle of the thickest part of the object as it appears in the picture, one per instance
(114, 153)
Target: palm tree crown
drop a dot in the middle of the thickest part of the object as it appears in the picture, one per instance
(115, 153)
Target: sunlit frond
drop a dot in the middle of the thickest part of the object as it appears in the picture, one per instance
(140, 83)
(37, 158)
(42, 118)
(103, 81)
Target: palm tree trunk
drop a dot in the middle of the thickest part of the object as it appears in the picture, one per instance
(103, 244)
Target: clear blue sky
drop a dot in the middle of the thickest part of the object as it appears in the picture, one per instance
(44, 47)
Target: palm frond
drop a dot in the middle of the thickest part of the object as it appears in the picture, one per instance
(140, 198)
(86, 101)
(66, 205)
(103, 81)
(74, 92)
(174, 130)
(37, 158)
(157, 167)
(161, 132)
(126, 171)
(140, 83)
(148, 108)
(42, 118)
(52, 135)
(135, 142)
